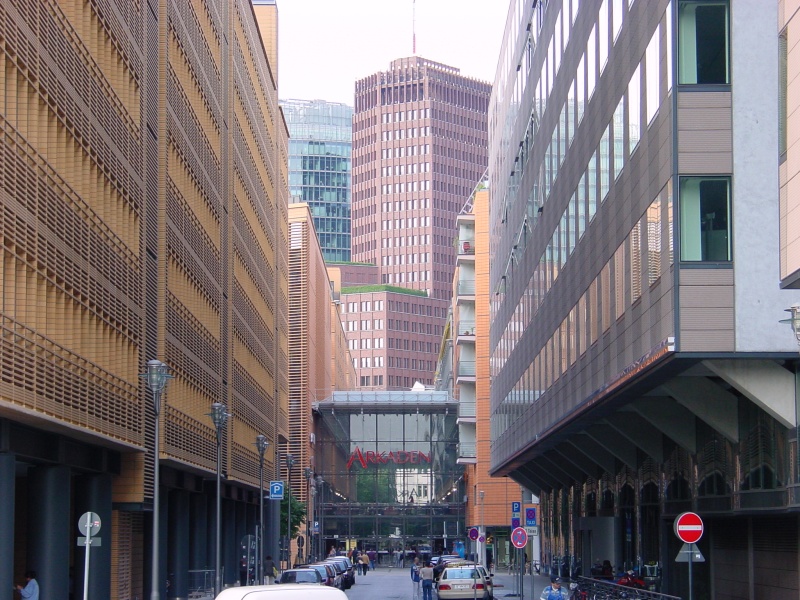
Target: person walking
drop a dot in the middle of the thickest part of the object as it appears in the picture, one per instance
(269, 570)
(364, 563)
(30, 591)
(416, 581)
(373, 556)
(426, 573)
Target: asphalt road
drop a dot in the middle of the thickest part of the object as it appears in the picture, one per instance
(395, 584)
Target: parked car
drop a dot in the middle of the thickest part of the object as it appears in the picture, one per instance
(347, 569)
(301, 591)
(328, 573)
(464, 582)
(300, 576)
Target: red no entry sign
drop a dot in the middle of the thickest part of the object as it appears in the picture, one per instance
(519, 537)
(688, 527)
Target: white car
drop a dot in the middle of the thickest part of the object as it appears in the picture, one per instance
(299, 591)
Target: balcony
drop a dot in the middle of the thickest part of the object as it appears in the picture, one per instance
(466, 453)
(465, 371)
(466, 411)
(465, 331)
(466, 287)
(466, 250)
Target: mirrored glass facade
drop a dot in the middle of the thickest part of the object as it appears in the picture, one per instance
(319, 169)
(388, 463)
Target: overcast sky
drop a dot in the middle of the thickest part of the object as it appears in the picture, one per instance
(326, 45)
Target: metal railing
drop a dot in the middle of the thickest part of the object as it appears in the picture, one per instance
(595, 589)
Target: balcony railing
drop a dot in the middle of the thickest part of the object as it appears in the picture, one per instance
(466, 247)
(466, 368)
(466, 408)
(466, 327)
(466, 287)
(466, 450)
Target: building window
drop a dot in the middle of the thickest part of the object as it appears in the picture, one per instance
(703, 42)
(705, 219)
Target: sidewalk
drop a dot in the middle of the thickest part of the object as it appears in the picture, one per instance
(505, 586)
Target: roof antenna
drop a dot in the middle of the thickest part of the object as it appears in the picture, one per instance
(414, 26)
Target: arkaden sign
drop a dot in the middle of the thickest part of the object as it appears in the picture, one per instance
(398, 457)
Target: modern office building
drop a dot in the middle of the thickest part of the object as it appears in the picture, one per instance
(488, 498)
(144, 195)
(319, 362)
(639, 369)
(319, 169)
(419, 147)
(789, 119)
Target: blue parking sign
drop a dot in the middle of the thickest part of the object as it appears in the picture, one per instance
(515, 507)
(530, 517)
(276, 490)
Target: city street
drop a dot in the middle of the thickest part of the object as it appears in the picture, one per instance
(395, 584)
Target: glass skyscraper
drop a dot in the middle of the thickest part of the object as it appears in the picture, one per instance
(320, 149)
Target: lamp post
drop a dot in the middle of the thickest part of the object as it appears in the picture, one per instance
(308, 474)
(483, 531)
(219, 415)
(261, 445)
(289, 465)
(321, 515)
(156, 381)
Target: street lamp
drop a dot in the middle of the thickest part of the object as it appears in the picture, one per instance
(320, 515)
(794, 320)
(219, 415)
(261, 445)
(483, 531)
(309, 474)
(156, 376)
(289, 465)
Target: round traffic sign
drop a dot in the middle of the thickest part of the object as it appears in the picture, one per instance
(688, 527)
(519, 537)
(89, 524)
(474, 533)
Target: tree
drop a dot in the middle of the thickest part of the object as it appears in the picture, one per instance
(298, 514)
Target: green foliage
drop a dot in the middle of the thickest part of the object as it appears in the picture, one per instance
(362, 289)
(298, 514)
(376, 486)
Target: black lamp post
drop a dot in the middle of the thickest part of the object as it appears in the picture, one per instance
(321, 514)
(261, 444)
(219, 415)
(289, 465)
(156, 381)
(308, 473)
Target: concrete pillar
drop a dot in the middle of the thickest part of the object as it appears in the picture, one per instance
(178, 545)
(199, 533)
(7, 493)
(50, 532)
(230, 543)
(93, 494)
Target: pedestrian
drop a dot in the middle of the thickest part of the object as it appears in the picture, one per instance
(373, 556)
(269, 570)
(364, 563)
(332, 551)
(416, 581)
(554, 591)
(426, 573)
(30, 591)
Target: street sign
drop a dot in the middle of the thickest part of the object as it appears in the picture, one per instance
(515, 523)
(89, 524)
(690, 551)
(276, 490)
(481, 539)
(519, 537)
(532, 531)
(515, 508)
(688, 527)
(474, 534)
(530, 517)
